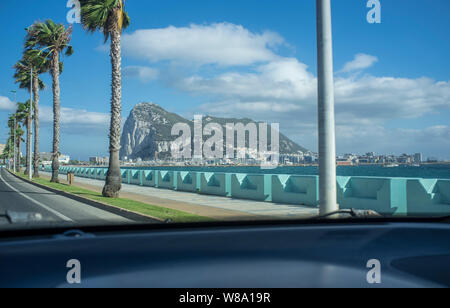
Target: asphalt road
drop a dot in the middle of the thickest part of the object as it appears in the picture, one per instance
(21, 197)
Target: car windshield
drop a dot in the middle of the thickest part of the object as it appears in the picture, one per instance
(151, 112)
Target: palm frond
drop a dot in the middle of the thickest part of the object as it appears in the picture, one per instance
(31, 60)
(49, 38)
(126, 20)
(104, 16)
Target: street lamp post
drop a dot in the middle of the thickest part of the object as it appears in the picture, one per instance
(15, 104)
(30, 172)
(327, 137)
(15, 141)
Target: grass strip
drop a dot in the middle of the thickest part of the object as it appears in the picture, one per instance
(126, 204)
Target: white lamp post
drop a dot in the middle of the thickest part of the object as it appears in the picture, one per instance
(327, 138)
(15, 104)
(30, 167)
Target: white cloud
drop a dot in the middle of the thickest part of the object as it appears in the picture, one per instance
(359, 62)
(283, 79)
(432, 141)
(220, 43)
(6, 104)
(70, 116)
(388, 97)
(232, 108)
(143, 73)
(286, 83)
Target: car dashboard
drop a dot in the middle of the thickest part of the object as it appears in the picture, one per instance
(277, 255)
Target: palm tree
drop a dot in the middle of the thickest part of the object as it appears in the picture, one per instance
(23, 115)
(14, 123)
(12, 128)
(19, 133)
(109, 17)
(53, 40)
(35, 62)
(8, 152)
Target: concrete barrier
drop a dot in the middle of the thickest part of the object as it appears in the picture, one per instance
(136, 177)
(392, 196)
(149, 178)
(83, 172)
(187, 181)
(101, 174)
(92, 173)
(165, 179)
(428, 197)
(125, 174)
(384, 195)
(293, 189)
(215, 184)
(246, 186)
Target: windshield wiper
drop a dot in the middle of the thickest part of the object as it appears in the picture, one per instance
(26, 217)
(353, 213)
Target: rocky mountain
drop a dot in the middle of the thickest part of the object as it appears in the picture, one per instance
(147, 132)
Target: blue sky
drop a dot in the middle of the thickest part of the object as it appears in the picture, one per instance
(256, 59)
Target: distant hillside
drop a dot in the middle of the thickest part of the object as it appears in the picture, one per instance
(147, 131)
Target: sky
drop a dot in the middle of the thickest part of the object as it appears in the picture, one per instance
(256, 59)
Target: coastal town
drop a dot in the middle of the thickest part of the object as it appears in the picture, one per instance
(299, 159)
(296, 159)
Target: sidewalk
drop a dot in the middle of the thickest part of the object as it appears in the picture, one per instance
(216, 207)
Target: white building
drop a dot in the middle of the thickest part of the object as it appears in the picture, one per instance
(99, 160)
(46, 158)
(418, 158)
(64, 159)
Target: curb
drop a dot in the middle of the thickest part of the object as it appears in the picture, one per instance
(134, 216)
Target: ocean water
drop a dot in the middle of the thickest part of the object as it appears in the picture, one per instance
(424, 171)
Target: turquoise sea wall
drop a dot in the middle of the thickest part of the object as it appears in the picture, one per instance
(387, 195)
(425, 171)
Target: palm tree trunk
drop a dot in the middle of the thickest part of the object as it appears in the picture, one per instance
(18, 153)
(56, 116)
(36, 126)
(28, 145)
(113, 183)
(17, 141)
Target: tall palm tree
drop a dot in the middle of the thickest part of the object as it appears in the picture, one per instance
(8, 152)
(23, 114)
(12, 128)
(109, 17)
(19, 134)
(37, 63)
(53, 40)
(14, 122)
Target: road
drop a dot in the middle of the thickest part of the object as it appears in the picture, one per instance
(21, 197)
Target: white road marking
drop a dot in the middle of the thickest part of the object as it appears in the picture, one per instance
(65, 218)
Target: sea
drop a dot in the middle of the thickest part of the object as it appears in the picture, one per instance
(427, 171)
